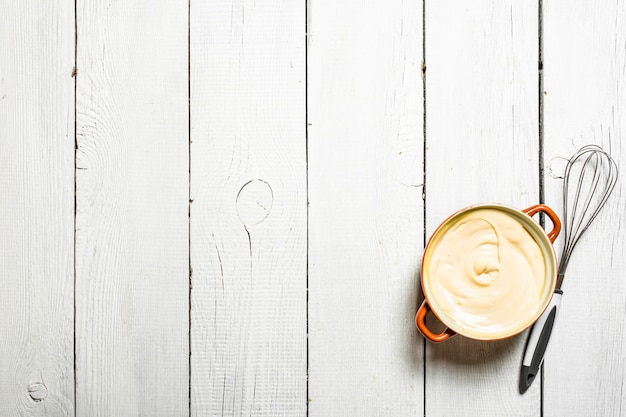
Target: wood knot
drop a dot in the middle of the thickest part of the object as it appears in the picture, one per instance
(37, 392)
(254, 202)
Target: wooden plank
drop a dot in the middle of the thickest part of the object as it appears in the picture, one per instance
(584, 102)
(366, 208)
(248, 216)
(482, 146)
(132, 260)
(36, 208)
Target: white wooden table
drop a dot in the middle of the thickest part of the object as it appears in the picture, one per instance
(206, 212)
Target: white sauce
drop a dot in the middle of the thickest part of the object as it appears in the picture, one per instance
(486, 273)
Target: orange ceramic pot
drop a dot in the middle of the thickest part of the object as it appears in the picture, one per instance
(497, 311)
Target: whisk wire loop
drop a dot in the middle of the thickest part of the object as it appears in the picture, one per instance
(596, 163)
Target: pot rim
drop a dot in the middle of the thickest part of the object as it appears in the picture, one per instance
(548, 256)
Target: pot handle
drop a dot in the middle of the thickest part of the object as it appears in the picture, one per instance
(421, 325)
(556, 223)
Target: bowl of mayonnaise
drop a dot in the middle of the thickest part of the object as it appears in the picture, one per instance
(488, 272)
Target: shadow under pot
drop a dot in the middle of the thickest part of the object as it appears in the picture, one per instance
(488, 272)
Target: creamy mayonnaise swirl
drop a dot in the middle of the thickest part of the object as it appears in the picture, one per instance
(486, 273)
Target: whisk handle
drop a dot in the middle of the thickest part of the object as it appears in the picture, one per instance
(556, 223)
(538, 342)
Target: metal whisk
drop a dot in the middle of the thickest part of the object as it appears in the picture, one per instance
(597, 177)
(590, 177)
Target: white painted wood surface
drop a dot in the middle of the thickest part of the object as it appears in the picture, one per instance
(212, 193)
(36, 209)
(248, 216)
(132, 189)
(585, 102)
(482, 146)
(365, 214)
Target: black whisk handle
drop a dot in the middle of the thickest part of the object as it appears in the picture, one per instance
(538, 342)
